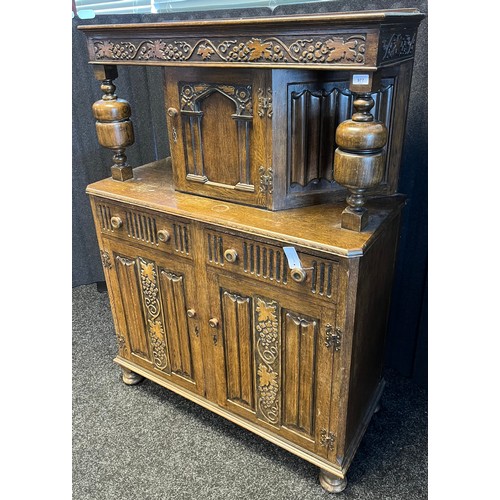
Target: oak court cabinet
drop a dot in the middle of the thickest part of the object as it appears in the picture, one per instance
(251, 271)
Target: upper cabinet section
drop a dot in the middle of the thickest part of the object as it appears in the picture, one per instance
(254, 105)
(356, 40)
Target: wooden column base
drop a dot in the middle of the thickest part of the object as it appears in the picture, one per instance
(355, 220)
(131, 378)
(121, 173)
(331, 483)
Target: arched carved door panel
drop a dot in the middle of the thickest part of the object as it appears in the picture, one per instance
(218, 133)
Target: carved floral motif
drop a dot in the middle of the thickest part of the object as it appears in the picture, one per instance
(122, 346)
(265, 102)
(106, 261)
(333, 337)
(345, 49)
(152, 302)
(267, 358)
(266, 180)
(326, 439)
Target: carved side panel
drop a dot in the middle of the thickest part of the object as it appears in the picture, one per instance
(173, 297)
(238, 345)
(312, 125)
(267, 359)
(299, 335)
(130, 290)
(314, 112)
(216, 126)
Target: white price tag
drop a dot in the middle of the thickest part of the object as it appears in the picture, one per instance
(360, 79)
(292, 257)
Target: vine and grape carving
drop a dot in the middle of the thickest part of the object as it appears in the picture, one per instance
(153, 312)
(398, 45)
(345, 49)
(267, 358)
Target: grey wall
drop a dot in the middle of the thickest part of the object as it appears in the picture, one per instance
(142, 87)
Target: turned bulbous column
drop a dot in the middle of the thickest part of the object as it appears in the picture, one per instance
(114, 128)
(359, 160)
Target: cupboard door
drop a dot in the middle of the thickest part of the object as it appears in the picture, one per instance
(155, 321)
(216, 132)
(274, 364)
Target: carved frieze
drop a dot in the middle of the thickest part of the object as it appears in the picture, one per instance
(327, 49)
(267, 357)
(397, 45)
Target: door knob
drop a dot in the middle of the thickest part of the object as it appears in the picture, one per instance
(231, 255)
(191, 313)
(172, 112)
(298, 274)
(116, 222)
(163, 235)
(213, 322)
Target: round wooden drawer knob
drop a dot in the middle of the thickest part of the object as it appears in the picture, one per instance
(191, 313)
(231, 255)
(163, 235)
(298, 274)
(172, 112)
(116, 222)
(213, 322)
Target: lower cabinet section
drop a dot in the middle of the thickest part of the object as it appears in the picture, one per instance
(296, 361)
(269, 351)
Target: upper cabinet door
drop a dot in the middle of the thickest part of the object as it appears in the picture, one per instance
(217, 124)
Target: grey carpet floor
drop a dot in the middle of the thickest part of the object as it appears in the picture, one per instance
(145, 442)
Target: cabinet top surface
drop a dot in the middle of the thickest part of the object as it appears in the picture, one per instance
(365, 17)
(316, 227)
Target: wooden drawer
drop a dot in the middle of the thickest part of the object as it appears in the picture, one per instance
(145, 227)
(267, 262)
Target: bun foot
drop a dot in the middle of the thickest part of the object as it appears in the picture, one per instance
(131, 378)
(331, 482)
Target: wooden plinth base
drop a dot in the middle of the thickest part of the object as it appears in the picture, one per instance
(121, 173)
(354, 220)
(331, 483)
